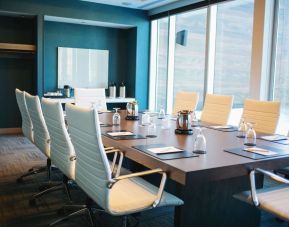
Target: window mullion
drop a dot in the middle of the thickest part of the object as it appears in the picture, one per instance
(171, 61)
(210, 50)
(273, 51)
(153, 65)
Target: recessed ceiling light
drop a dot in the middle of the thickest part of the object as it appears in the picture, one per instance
(126, 3)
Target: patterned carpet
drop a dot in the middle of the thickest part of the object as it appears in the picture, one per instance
(17, 155)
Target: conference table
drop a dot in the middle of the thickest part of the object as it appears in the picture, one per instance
(205, 183)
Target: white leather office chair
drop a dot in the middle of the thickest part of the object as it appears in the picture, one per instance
(62, 150)
(41, 140)
(85, 97)
(27, 129)
(265, 115)
(274, 200)
(217, 109)
(118, 196)
(185, 101)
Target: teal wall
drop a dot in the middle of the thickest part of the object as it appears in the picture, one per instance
(130, 46)
(71, 35)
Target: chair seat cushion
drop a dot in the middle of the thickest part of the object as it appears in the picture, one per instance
(274, 200)
(135, 194)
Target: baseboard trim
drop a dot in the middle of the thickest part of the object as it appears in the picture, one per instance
(4, 131)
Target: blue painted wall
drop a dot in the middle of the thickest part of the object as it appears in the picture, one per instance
(132, 45)
(121, 63)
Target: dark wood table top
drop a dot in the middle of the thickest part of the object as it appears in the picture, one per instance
(215, 165)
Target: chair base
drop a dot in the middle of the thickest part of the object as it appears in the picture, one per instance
(82, 209)
(55, 187)
(31, 172)
(88, 208)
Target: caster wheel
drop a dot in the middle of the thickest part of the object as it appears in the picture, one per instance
(19, 180)
(43, 187)
(32, 202)
(61, 212)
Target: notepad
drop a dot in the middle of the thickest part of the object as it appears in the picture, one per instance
(260, 151)
(274, 138)
(221, 126)
(120, 133)
(164, 150)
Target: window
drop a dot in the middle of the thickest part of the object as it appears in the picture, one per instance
(162, 62)
(281, 62)
(190, 48)
(234, 29)
(218, 37)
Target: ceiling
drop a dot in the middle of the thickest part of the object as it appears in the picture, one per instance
(135, 4)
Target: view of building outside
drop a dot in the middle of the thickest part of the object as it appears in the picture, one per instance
(189, 67)
(233, 49)
(281, 75)
(232, 54)
(162, 62)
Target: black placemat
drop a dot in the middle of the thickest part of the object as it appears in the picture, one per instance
(125, 137)
(105, 125)
(239, 151)
(176, 155)
(283, 141)
(232, 129)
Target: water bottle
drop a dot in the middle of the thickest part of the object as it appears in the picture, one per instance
(122, 90)
(112, 90)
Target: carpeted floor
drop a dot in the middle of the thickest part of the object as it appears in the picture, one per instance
(17, 155)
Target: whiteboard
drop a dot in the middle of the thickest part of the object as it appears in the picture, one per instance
(82, 68)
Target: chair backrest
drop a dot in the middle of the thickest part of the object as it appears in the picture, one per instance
(86, 96)
(217, 109)
(92, 172)
(27, 127)
(61, 146)
(41, 135)
(265, 114)
(185, 101)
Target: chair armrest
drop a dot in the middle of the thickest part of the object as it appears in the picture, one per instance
(138, 174)
(109, 150)
(273, 176)
(144, 173)
(253, 184)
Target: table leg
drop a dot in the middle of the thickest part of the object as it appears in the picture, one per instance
(212, 204)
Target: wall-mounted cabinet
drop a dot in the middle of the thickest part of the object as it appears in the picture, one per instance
(17, 64)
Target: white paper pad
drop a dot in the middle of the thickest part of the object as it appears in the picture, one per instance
(260, 151)
(221, 126)
(120, 133)
(164, 150)
(274, 138)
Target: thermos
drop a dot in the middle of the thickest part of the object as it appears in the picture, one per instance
(66, 91)
(122, 90)
(112, 90)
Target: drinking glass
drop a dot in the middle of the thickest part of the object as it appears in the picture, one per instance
(93, 105)
(145, 120)
(152, 128)
(242, 129)
(166, 123)
(194, 119)
(162, 113)
(116, 117)
(200, 143)
(250, 137)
